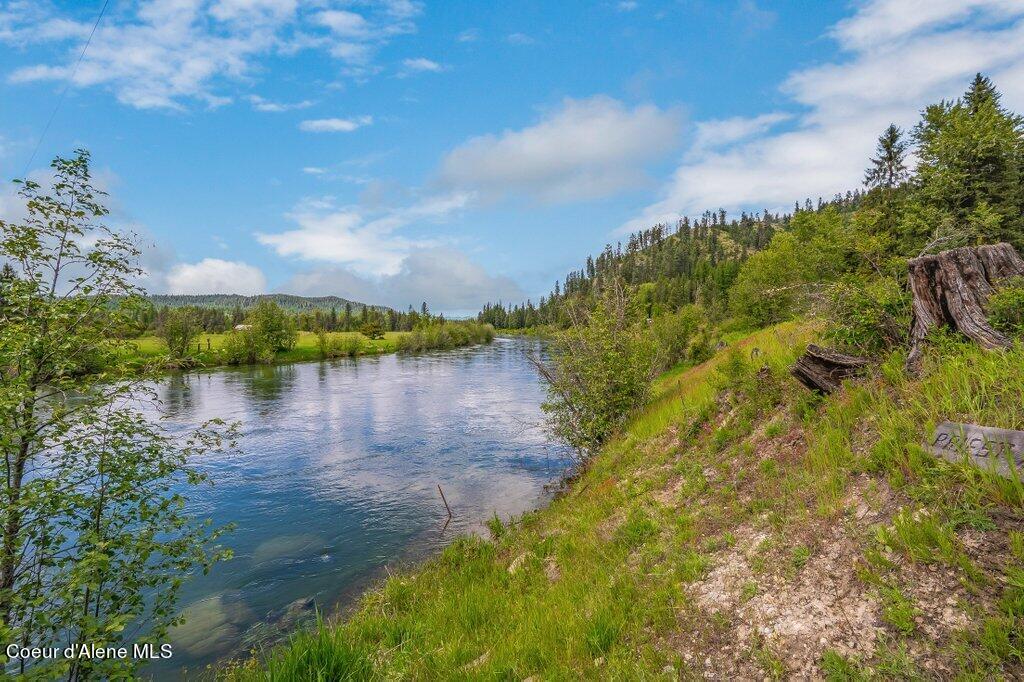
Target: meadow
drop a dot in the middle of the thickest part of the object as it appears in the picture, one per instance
(209, 348)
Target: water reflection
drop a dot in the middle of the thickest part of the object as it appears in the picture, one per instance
(338, 475)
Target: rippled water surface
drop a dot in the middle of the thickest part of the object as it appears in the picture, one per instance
(337, 477)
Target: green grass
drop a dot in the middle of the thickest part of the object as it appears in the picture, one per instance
(627, 553)
(209, 348)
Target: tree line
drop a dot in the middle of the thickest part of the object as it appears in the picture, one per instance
(150, 317)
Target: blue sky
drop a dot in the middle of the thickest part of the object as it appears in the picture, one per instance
(455, 152)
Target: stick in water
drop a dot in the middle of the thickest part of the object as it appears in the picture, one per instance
(444, 500)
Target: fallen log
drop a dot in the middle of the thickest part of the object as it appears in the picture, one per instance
(951, 288)
(823, 369)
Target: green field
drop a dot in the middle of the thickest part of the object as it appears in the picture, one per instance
(209, 349)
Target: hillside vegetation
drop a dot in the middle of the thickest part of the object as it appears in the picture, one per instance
(724, 521)
(289, 302)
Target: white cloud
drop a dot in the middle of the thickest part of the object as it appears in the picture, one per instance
(716, 133)
(261, 104)
(882, 21)
(164, 53)
(584, 149)
(627, 5)
(900, 56)
(314, 170)
(344, 23)
(443, 277)
(335, 125)
(362, 238)
(520, 39)
(215, 276)
(470, 35)
(422, 64)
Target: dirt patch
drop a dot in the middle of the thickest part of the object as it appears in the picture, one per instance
(781, 600)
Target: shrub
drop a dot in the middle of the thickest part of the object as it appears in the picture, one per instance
(273, 325)
(338, 346)
(1006, 307)
(600, 371)
(674, 333)
(777, 283)
(247, 347)
(868, 315)
(445, 336)
(179, 327)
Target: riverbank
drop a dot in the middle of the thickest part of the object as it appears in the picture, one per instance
(739, 527)
(210, 352)
(209, 349)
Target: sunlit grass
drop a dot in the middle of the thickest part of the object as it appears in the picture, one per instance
(209, 351)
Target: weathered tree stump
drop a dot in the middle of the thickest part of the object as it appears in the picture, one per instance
(951, 288)
(823, 370)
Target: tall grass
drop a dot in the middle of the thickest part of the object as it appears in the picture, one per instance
(445, 336)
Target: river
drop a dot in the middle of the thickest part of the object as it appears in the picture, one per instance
(336, 476)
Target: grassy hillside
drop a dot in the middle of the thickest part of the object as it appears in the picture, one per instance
(739, 527)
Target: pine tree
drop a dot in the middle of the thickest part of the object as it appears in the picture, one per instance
(970, 171)
(888, 167)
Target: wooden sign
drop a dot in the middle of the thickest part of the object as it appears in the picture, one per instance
(984, 446)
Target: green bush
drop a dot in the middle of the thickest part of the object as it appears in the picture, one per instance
(1006, 307)
(600, 372)
(445, 336)
(674, 333)
(179, 328)
(868, 315)
(273, 325)
(777, 283)
(247, 347)
(338, 346)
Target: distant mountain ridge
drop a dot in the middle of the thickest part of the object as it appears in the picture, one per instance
(287, 301)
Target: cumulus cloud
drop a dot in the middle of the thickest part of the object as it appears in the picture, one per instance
(443, 277)
(335, 125)
(899, 56)
(215, 276)
(164, 53)
(360, 237)
(584, 149)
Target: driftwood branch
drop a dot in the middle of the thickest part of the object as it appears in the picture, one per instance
(951, 288)
(823, 370)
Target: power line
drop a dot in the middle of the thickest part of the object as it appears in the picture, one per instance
(64, 92)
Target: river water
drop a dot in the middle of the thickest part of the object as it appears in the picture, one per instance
(336, 477)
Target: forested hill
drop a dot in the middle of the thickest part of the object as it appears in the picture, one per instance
(287, 301)
(695, 261)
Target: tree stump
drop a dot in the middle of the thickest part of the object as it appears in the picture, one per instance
(951, 288)
(823, 370)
